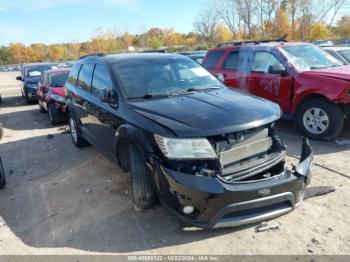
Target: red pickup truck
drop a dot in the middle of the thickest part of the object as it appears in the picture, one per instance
(308, 83)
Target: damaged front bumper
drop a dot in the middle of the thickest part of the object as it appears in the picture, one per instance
(219, 204)
(61, 109)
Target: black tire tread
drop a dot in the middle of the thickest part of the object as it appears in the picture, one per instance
(144, 197)
(2, 176)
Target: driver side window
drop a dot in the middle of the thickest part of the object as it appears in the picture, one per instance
(262, 61)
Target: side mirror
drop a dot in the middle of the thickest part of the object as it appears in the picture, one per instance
(221, 77)
(19, 78)
(277, 69)
(109, 97)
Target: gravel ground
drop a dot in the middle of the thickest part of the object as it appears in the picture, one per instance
(62, 200)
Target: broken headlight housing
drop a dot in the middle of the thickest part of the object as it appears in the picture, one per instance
(176, 148)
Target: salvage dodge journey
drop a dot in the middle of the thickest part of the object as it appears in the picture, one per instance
(208, 153)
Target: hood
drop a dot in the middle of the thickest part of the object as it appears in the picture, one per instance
(32, 79)
(58, 91)
(209, 113)
(340, 72)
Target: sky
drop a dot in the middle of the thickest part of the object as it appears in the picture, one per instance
(60, 21)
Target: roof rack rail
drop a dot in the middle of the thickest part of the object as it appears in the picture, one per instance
(154, 51)
(95, 54)
(254, 42)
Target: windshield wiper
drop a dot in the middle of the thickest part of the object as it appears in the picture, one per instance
(195, 90)
(147, 96)
(202, 89)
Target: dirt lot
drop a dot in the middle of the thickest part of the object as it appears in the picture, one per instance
(62, 200)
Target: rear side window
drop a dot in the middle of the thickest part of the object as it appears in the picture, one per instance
(73, 75)
(85, 76)
(233, 61)
(102, 80)
(212, 59)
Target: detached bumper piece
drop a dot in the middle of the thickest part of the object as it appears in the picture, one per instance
(215, 203)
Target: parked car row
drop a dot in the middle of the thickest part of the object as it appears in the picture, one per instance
(44, 83)
(309, 84)
(342, 53)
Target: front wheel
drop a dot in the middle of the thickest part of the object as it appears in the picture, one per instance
(144, 197)
(319, 119)
(77, 138)
(53, 114)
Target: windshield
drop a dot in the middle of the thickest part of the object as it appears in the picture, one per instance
(37, 70)
(346, 54)
(309, 57)
(167, 76)
(58, 80)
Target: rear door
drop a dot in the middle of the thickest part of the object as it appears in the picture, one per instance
(236, 70)
(101, 108)
(81, 97)
(274, 87)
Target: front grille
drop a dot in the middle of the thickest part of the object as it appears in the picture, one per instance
(251, 144)
(249, 154)
(239, 153)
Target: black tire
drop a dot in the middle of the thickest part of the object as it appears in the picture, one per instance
(335, 119)
(26, 97)
(54, 114)
(79, 141)
(2, 176)
(143, 194)
(41, 109)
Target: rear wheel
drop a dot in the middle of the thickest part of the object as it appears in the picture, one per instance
(26, 97)
(144, 197)
(41, 109)
(77, 138)
(320, 120)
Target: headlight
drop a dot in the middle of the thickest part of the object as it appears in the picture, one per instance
(174, 148)
(58, 98)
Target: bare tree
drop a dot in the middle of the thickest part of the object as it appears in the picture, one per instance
(206, 25)
(227, 11)
(293, 9)
(246, 10)
(337, 6)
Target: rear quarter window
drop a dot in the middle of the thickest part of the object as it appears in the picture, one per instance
(73, 75)
(85, 76)
(212, 59)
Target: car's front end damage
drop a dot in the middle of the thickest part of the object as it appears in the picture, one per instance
(246, 182)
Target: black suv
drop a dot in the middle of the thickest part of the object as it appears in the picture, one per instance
(208, 153)
(30, 77)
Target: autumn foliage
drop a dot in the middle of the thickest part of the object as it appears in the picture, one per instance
(220, 21)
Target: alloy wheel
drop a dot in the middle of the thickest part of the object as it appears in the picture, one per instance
(316, 120)
(73, 130)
